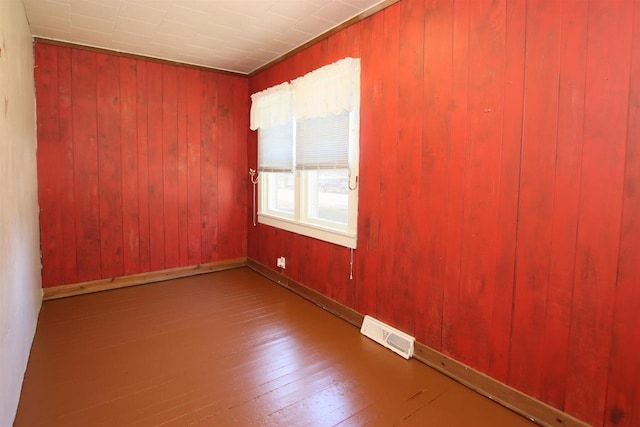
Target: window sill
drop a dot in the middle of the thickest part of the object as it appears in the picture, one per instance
(336, 237)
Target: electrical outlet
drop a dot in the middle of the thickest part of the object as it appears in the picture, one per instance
(280, 262)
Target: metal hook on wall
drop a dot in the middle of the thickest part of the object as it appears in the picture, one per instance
(254, 176)
(254, 181)
(349, 184)
(351, 266)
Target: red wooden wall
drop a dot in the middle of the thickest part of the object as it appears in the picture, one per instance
(142, 166)
(499, 215)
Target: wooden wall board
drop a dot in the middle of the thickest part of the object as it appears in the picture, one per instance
(508, 254)
(125, 187)
(624, 370)
(109, 164)
(86, 182)
(538, 168)
(606, 109)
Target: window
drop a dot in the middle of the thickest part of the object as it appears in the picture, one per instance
(308, 134)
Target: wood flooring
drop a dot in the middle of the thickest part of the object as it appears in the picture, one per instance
(229, 348)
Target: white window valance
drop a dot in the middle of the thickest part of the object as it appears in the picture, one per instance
(332, 89)
(271, 107)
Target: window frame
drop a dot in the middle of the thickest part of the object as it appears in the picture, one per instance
(300, 222)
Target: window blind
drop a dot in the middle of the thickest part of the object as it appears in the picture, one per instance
(275, 148)
(323, 142)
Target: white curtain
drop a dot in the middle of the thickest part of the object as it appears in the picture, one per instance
(332, 89)
(271, 107)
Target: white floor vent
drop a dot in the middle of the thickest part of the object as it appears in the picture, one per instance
(389, 337)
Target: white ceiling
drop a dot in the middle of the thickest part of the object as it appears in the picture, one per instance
(232, 35)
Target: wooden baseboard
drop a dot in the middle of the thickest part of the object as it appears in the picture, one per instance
(139, 279)
(332, 306)
(517, 401)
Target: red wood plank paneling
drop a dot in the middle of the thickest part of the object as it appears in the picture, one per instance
(143, 165)
(269, 252)
(315, 57)
(109, 164)
(408, 247)
(156, 166)
(434, 168)
(292, 246)
(49, 166)
(603, 160)
(319, 252)
(170, 164)
(83, 93)
(209, 166)
(65, 137)
(452, 309)
(565, 203)
(240, 114)
(121, 158)
(537, 178)
(500, 291)
(282, 71)
(193, 166)
(183, 179)
(508, 189)
(343, 44)
(479, 225)
(285, 245)
(623, 394)
(300, 65)
(337, 46)
(226, 157)
(129, 149)
(388, 167)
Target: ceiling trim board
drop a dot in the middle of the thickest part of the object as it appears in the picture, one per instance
(134, 56)
(360, 17)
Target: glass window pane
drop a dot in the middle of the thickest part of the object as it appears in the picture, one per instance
(328, 195)
(281, 192)
(323, 142)
(275, 148)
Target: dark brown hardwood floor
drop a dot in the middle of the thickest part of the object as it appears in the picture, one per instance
(227, 348)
